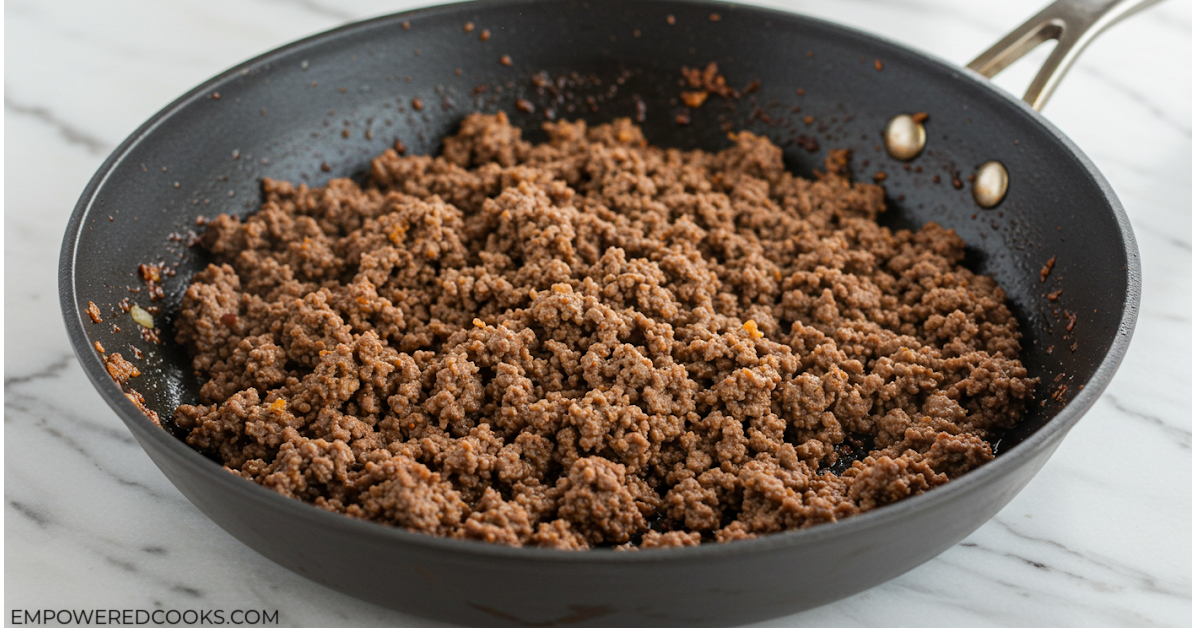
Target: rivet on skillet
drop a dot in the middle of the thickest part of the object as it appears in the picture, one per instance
(991, 184)
(904, 137)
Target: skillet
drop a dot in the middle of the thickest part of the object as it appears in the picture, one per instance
(274, 111)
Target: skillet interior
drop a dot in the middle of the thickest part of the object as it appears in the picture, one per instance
(284, 114)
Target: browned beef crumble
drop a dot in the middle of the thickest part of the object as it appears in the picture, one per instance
(594, 341)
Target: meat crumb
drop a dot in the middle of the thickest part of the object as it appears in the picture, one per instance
(121, 370)
(1045, 272)
(593, 342)
(93, 312)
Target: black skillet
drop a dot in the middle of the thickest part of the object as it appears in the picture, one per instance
(341, 97)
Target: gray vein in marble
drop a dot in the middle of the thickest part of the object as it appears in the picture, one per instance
(51, 370)
(1151, 227)
(29, 512)
(196, 593)
(71, 134)
(318, 9)
(1096, 584)
(1182, 437)
(123, 565)
(43, 424)
(1150, 583)
(984, 26)
(1170, 318)
(20, 402)
(1106, 76)
(1153, 175)
(1174, 22)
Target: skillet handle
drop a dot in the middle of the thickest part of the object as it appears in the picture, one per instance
(1074, 23)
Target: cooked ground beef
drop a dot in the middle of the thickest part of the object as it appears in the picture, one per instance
(594, 342)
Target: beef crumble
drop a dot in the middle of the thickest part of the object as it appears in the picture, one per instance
(594, 342)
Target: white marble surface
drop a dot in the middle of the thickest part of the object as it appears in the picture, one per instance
(1089, 542)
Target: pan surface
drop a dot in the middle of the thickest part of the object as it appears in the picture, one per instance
(275, 112)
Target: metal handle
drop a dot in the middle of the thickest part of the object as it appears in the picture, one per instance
(1074, 23)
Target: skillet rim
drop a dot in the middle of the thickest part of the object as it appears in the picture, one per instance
(1048, 435)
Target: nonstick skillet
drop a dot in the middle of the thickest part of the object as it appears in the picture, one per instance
(322, 107)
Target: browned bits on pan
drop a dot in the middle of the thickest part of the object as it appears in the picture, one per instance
(479, 89)
(694, 99)
(524, 105)
(809, 54)
(637, 33)
(418, 104)
(715, 17)
(399, 147)
(93, 312)
(808, 143)
(920, 117)
(99, 347)
(880, 176)
(325, 167)
(1053, 296)
(710, 80)
(671, 20)
(345, 132)
(683, 119)
(150, 272)
(150, 335)
(229, 320)
(216, 95)
(124, 304)
(808, 120)
(405, 25)
(799, 91)
(119, 368)
(457, 71)
(152, 275)
(468, 27)
(937, 179)
(485, 35)
(878, 65)
(1071, 318)
(956, 182)
(1048, 267)
(137, 353)
(505, 60)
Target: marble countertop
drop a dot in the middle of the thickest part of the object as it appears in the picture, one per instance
(1101, 537)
